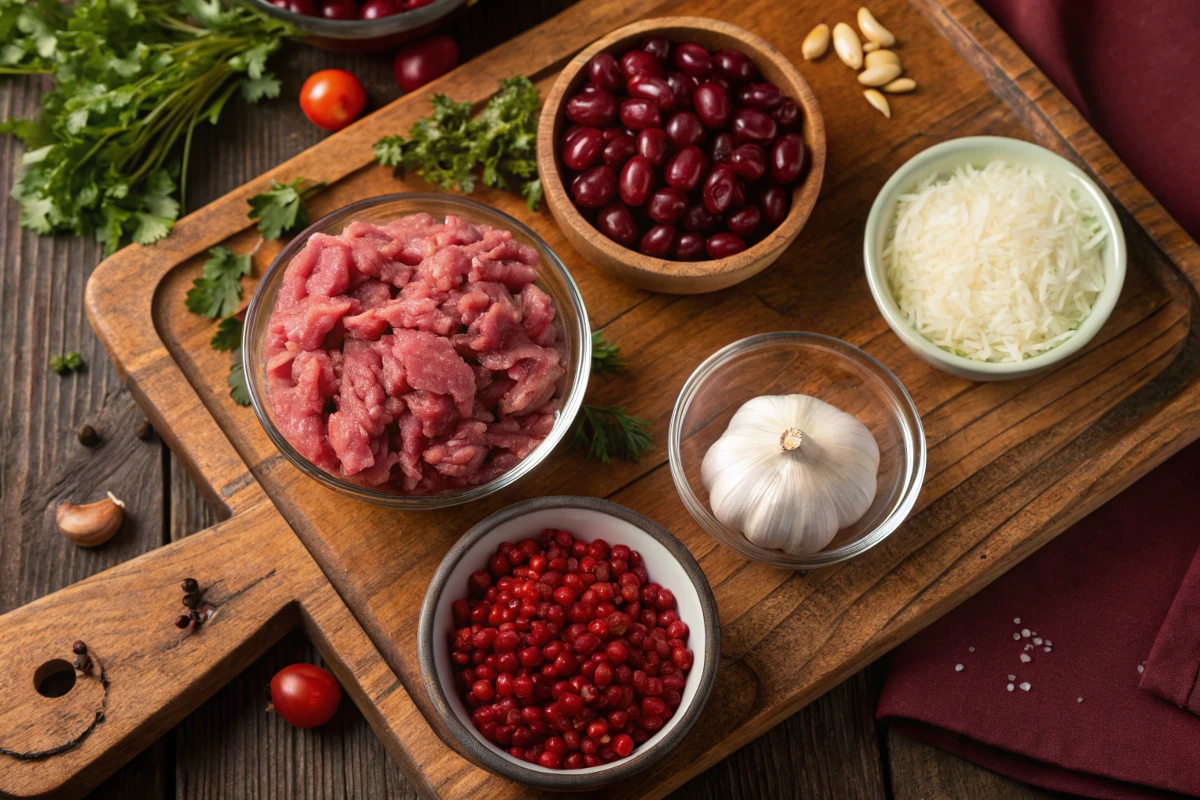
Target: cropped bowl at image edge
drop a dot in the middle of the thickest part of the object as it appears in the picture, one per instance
(667, 562)
(357, 35)
(553, 278)
(978, 151)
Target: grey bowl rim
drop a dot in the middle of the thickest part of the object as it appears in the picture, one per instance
(569, 780)
(352, 30)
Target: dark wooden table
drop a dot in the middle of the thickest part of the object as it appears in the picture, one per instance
(229, 747)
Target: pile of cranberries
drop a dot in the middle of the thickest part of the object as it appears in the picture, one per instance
(682, 153)
(567, 655)
(349, 9)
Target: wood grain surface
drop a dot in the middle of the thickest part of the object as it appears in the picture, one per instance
(38, 420)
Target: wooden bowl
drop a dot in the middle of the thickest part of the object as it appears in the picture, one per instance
(679, 277)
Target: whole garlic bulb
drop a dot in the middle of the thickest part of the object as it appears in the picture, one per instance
(790, 471)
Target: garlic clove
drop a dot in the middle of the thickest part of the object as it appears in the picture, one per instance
(90, 524)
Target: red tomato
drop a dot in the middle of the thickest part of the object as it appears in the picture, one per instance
(305, 695)
(419, 63)
(332, 99)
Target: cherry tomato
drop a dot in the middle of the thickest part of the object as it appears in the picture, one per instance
(305, 695)
(419, 63)
(332, 99)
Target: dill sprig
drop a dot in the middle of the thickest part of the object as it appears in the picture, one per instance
(607, 432)
(606, 356)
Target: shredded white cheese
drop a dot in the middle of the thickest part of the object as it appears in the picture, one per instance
(995, 264)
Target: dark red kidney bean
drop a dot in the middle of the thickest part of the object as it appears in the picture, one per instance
(739, 194)
(763, 96)
(787, 115)
(723, 245)
(689, 247)
(592, 107)
(712, 105)
(616, 222)
(734, 66)
(653, 88)
(694, 60)
(718, 188)
(339, 9)
(605, 73)
(376, 9)
(595, 187)
(686, 168)
(775, 203)
(619, 150)
(752, 125)
(654, 145)
(637, 114)
(685, 128)
(659, 241)
(658, 46)
(787, 158)
(636, 61)
(682, 86)
(745, 221)
(637, 181)
(749, 161)
(613, 132)
(667, 205)
(721, 148)
(571, 131)
(583, 149)
(697, 218)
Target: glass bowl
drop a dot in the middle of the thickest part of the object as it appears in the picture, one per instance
(362, 35)
(553, 279)
(830, 370)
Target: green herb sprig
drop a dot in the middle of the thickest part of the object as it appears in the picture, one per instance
(218, 290)
(607, 432)
(450, 147)
(228, 335)
(606, 356)
(280, 210)
(66, 363)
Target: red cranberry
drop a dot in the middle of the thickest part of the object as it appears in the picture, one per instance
(593, 107)
(719, 188)
(787, 115)
(655, 146)
(689, 247)
(605, 73)
(734, 66)
(637, 114)
(636, 183)
(622, 745)
(658, 46)
(377, 9)
(583, 150)
(787, 158)
(698, 218)
(659, 241)
(636, 61)
(686, 169)
(339, 9)
(723, 245)
(616, 222)
(751, 125)
(748, 161)
(647, 86)
(745, 221)
(594, 188)
(775, 204)
(721, 148)
(667, 205)
(763, 96)
(619, 150)
(694, 60)
(682, 86)
(684, 128)
(712, 105)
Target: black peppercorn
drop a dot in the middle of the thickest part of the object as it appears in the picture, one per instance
(83, 663)
(190, 585)
(79, 648)
(87, 436)
(194, 616)
(191, 600)
(182, 621)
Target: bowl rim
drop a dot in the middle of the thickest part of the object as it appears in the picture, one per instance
(804, 195)
(486, 755)
(997, 148)
(572, 402)
(917, 458)
(360, 29)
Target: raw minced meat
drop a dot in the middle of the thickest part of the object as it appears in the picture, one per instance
(416, 356)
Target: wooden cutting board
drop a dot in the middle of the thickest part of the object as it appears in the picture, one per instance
(1010, 464)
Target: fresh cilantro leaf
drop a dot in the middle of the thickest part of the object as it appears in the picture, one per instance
(607, 432)
(453, 151)
(228, 335)
(149, 228)
(218, 290)
(237, 384)
(606, 356)
(280, 209)
(66, 363)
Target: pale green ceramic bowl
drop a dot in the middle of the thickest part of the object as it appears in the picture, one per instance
(979, 151)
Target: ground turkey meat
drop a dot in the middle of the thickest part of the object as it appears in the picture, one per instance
(416, 356)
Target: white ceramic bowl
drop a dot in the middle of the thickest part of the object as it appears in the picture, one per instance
(666, 560)
(979, 151)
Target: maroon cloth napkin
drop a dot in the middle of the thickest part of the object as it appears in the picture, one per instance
(1117, 597)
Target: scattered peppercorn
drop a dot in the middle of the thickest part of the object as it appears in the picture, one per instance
(190, 585)
(191, 600)
(79, 648)
(182, 621)
(194, 616)
(144, 431)
(83, 663)
(87, 436)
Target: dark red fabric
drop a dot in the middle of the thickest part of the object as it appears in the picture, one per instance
(1122, 588)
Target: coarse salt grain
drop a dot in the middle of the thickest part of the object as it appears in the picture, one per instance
(1017, 636)
(1047, 649)
(1141, 667)
(958, 667)
(1016, 620)
(1010, 687)
(1028, 647)
(1012, 677)
(1078, 699)
(1025, 659)
(1038, 640)
(1026, 686)
(970, 649)
(1025, 632)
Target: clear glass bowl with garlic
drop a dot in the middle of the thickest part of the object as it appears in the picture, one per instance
(763, 495)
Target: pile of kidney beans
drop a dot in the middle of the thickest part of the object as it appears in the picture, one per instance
(679, 152)
(568, 656)
(349, 9)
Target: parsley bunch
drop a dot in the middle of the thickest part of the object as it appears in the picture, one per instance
(132, 78)
(449, 146)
